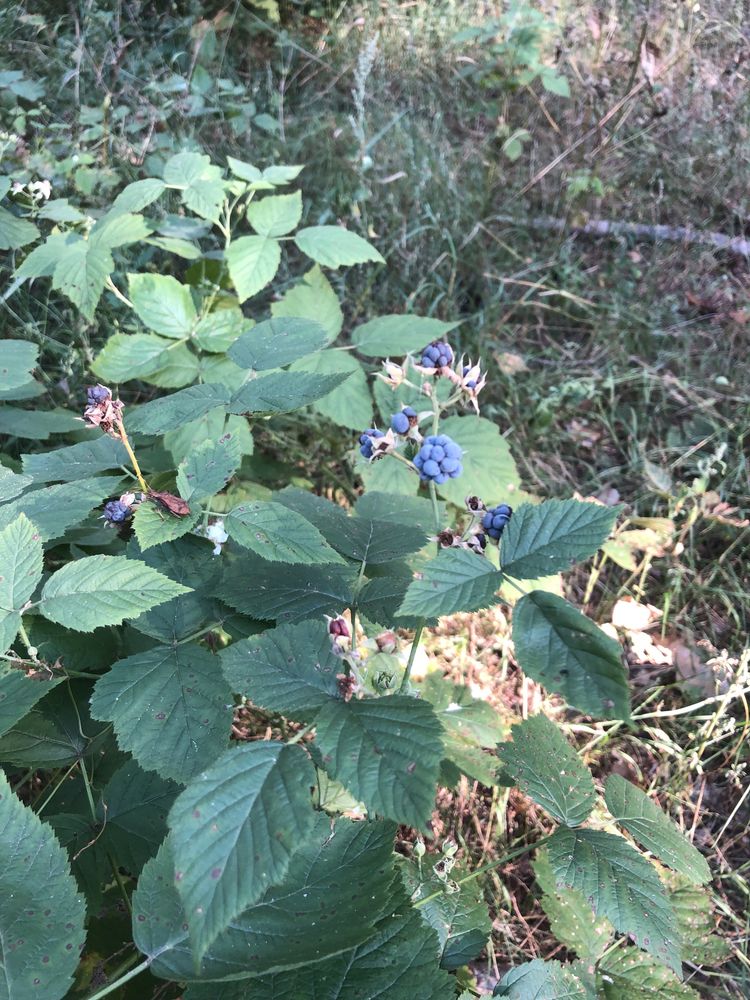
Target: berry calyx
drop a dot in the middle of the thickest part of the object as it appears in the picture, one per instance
(438, 459)
(472, 382)
(403, 421)
(438, 354)
(366, 441)
(495, 520)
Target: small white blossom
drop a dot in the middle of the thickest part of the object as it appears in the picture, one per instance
(215, 533)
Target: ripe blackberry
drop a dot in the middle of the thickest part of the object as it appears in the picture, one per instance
(401, 422)
(115, 512)
(365, 441)
(97, 394)
(495, 520)
(438, 354)
(438, 459)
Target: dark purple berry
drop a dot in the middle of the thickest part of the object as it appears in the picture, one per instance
(472, 383)
(439, 459)
(97, 394)
(365, 441)
(338, 627)
(115, 512)
(438, 354)
(401, 422)
(495, 520)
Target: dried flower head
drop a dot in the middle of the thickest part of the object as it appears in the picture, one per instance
(392, 374)
(102, 410)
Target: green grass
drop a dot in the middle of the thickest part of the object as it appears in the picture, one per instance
(632, 369)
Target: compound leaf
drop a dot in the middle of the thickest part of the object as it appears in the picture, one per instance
(104, 590)
(565, 651)
(282, 392)
(386, 752)
(277, 342)
(549, 770)
(18, 694)
(252, 803)
(628, 974)
(290, 669)
(313, 298)
(488, 467)
(350, 404)
(278, 534)
(541, 980)
(334, 246)
(170, 706)
(56, 508)
(170, 412)
(275, 215)
(394, 336)
(20, 563)
(133, 810)
(653, 829)
(163, 304)
(66, 465)
(550, 537)
(456, 580)
(619, 884)
(253, 261)
(209, 467)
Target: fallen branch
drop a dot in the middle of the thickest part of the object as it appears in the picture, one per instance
(603, 227)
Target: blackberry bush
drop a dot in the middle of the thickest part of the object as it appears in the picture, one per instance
(210, 731)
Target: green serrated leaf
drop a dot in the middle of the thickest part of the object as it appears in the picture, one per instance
(42, 260)
(311, 915)
(278, 534)
(334, 246)
(18, 361)
(18, 694)
(208, 468)
(171, 412)
(549, 770)
(697, 922)
(76, 461)
(277, 342)
(180, 367)
(456, 580)
(275, 215)
(138, 195)
(14, 232)
(81, 274)
(104, 590)
(20, 563)
(619, 884)
(290, 669)
(552, 536)
(313, 298)
(218, 330)
(253, 802)
(571, 918)
(416, 511)
(127, 356)
(116, 229)
(154, 526)
(282, 392)
(12, 483)
(386, 752)
(628, 974)
(253, 262)
(37, 424)
(41, 912)
(394, 336)
(285, 593)
(163, 304)
(350, 404)
(653, 829)
(54, 509)
(488, 467)
(459, 919)
(133, 810)
(565, 651)
(170, 707)
(541, 980)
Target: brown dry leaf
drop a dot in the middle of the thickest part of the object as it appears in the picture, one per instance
(633, 616)
(510, 364)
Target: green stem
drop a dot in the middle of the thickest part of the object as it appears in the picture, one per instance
(412, 656)
(301, 734)
(121, 981)
(110, 858)
(487, 868)
(435, 507)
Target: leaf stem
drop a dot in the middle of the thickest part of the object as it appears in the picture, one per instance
(131, 455)
(111, 987)
(412, 656)
(435, 507)
(110, 858)
(526, 849)
(301, 734)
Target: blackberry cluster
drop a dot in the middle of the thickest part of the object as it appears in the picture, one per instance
(365, 441)
(495, 520)
(115, 512)
(437, 355)
(438, 459)
(401, 422)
